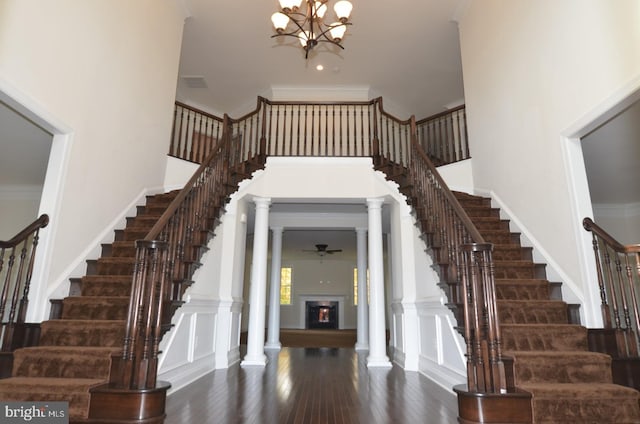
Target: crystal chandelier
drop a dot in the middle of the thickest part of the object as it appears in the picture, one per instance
(308, 25)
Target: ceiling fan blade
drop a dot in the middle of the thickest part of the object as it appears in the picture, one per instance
(334, 250)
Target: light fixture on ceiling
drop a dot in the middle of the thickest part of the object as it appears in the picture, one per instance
(308, 25)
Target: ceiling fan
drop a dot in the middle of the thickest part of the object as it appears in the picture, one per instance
(321, 250)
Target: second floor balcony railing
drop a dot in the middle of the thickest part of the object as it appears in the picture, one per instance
(336, 129)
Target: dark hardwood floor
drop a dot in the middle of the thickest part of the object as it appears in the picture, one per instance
(312, 385)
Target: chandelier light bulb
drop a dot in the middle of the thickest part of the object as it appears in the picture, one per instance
(337, 30)
(343, 10)
(280, 21)
(304, 38)
(288, 5)
(320, 9)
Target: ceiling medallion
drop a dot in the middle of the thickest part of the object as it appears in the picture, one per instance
(308, 25)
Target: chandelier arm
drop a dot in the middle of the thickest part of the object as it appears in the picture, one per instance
(329, 27)
(328, 40)
(297, 24)
(294, 34)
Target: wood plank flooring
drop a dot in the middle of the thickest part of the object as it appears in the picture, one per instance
(312, 385)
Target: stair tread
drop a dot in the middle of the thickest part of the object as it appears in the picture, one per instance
(48, 384)
(550, 354)
(95, 298)
(106, 278)
(521, 281)
(53, 350)
(584, 390)
(541, 326)
(75, 321)
(525, 301)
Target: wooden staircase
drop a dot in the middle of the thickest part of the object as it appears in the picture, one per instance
(552, 376)
(547, 350)
(73, 359)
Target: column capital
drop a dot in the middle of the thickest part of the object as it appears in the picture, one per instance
(362, 229)
(262, 201)
(277, 229)
(375, 202)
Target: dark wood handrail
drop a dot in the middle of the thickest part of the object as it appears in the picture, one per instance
(476, 237)
(41, 222)
(17, 258)
(443, 136)
(317, 103)
(440, 114)
(165, 260)
(466, 262)
(618, 271)
(591, 226)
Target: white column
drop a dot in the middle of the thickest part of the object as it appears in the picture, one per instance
(377, 331)
(273, 335)
(258, 290)
(362, 342)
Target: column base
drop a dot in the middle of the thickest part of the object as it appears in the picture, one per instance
(273, 346)
(381, 362)
(361, 347)
(258, 361)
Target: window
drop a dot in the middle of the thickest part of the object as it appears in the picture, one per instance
(285, 286)
(355, 286)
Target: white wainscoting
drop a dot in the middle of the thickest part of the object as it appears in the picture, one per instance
(442, 348)
(188, 350)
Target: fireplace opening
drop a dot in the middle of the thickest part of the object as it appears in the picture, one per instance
(322, 314)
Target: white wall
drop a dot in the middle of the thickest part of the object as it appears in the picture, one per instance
(532, 69)
(622, 221)
(18, 208)
(106, 71)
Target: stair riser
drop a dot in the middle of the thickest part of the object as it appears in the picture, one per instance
(606, 411)
(107, 289)
(522, 292)
(123, 250)
(492, 225)
(509, 314)
(525, 272)
(36, 363)
(511, 254)
(482, 212)
(539, 339)
(91, 334)
(111, 268)
(106, 310)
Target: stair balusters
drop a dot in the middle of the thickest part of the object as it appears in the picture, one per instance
(618, 268)
(17, 258)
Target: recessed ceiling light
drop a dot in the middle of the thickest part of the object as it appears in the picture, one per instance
(319, 67)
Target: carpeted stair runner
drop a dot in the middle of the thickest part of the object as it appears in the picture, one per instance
(75, 351)
(551, 359)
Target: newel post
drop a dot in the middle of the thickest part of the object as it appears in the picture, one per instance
(136, 367)
(485, 367)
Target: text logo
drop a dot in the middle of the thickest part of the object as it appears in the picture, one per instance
(34, 412)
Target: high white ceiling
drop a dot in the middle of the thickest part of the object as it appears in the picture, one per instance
(406, 51)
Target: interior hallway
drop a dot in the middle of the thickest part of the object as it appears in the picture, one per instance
(312, 385)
